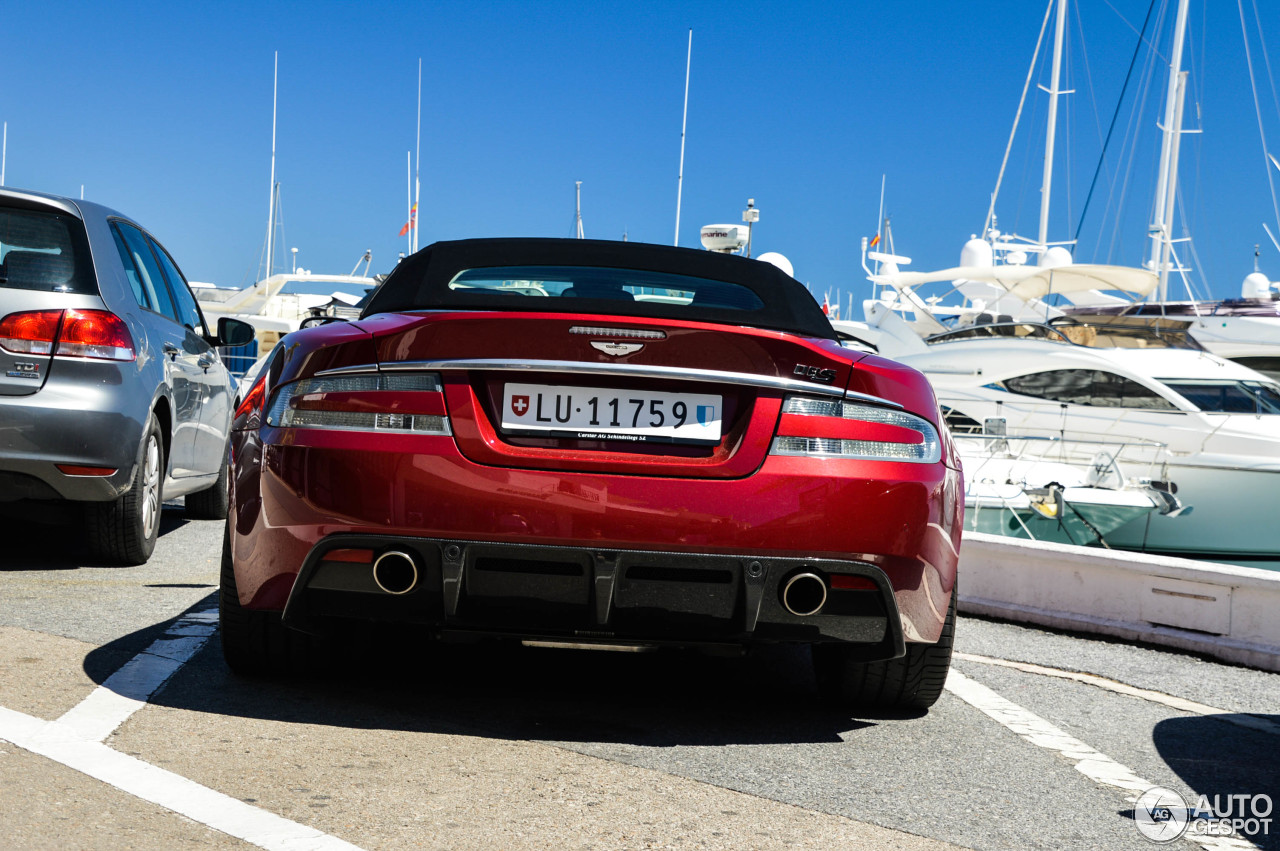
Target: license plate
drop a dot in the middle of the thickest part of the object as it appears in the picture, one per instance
(601, 413)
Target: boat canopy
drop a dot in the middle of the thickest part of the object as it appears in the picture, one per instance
(1033, 282)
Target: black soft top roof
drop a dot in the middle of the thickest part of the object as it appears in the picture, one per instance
(421, 281)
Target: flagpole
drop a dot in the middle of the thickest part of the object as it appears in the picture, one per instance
(417, 169)
(408, 193)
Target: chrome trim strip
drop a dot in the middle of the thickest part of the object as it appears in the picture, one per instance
(371, 368)
(745, 379)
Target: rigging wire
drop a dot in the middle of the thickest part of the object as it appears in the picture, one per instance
(1119, 102)
(1132, 140)
(1257, 108)
(1195, 258)
(1266, 58)
(991, 210)
(1068, 120)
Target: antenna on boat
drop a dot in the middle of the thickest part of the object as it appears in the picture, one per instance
(577, 216)
(4, 152)
(750, 215)
(417, 183)
(684, 123)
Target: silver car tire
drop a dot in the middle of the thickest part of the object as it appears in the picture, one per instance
(124, 531)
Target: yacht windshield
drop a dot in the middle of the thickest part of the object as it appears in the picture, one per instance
(1228, 397)
(1122, 332)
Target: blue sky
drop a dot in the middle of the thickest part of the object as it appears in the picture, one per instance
(163, 111)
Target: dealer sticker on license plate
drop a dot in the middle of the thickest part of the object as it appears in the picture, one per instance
(600, 413)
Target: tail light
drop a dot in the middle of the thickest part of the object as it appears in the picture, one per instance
(408, 403)
(254, 399)
(97, 334)
(30, 333)
(825, 428)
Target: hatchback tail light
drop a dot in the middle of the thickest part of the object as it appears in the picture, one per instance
(408, 403)
(98, 334)
(826, 428)
(31, 333)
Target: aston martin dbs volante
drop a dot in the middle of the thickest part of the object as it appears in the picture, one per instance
(596, 444)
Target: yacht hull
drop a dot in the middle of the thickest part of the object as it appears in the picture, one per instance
(1233, 516)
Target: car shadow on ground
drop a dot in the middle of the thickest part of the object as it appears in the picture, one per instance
(1221, 760)
(399, 680)
(55, 539)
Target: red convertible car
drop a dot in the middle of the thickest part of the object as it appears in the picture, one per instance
(597, 444)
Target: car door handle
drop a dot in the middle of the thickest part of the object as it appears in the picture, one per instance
(205, 361)
(171, 350)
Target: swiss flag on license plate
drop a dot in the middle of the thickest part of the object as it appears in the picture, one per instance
(519, 405)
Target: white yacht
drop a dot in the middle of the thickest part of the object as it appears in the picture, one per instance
(1217, 423)
(278, 304)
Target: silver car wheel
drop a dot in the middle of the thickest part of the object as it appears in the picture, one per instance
(151, 486)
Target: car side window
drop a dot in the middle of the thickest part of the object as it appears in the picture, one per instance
(188, 311)
(131, 271)
(149, 274)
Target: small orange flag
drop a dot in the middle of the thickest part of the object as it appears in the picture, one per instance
(874, 240)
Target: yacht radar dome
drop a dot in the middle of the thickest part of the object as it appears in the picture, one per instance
(976, 252)
(778, 260)
(1055, 257)
(1256, 285)
(724, 239)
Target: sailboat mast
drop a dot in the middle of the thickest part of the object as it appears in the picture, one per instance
(417, 183)
(684, 123)
(1059, 29)
(1166, 245)
(271, 206)
(1161, 228)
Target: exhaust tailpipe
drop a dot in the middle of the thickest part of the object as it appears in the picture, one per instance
(804, 594)
(395, 572)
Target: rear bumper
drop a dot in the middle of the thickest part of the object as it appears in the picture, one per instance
(900, 521)
(82, 422)
(594, 595)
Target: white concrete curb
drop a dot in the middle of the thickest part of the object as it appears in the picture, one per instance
(1226, 612)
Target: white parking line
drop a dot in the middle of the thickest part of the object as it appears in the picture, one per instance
(1251, 722)
(1092, 763)
(76, 741)
(128, 689)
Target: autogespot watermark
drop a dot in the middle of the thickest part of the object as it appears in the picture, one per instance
(1162, 815)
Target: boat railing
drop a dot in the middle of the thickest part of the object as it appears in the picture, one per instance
(1109, 462)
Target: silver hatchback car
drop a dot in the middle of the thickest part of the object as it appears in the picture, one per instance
(112, 395)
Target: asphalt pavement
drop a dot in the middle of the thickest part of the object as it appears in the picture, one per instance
(401, 743)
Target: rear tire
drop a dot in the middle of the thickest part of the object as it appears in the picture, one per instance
(908, 683)
(212, 502)
(256, 643)
(124, 531)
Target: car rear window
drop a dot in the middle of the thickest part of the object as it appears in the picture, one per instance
(44, 251)
(562, 282)
(601, 277)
